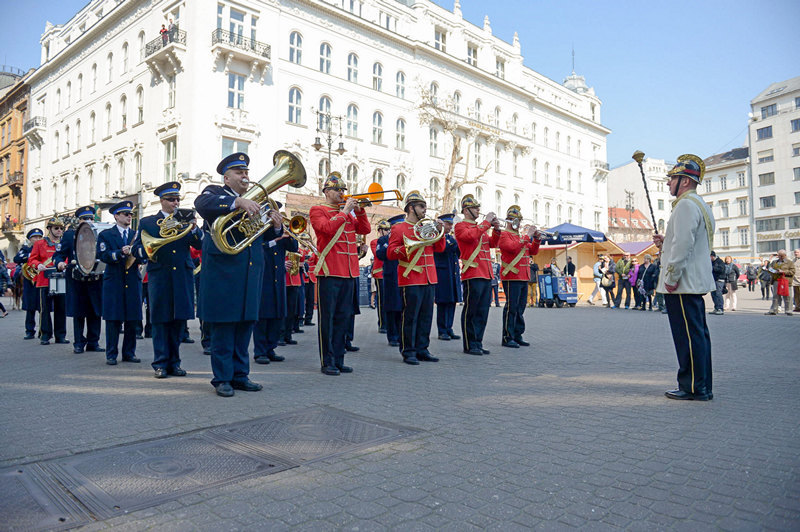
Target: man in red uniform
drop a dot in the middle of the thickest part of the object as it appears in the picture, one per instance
(310, 261)
(377, 273)
(515, 272)
(336, 270)
(416, 276)
(476, 271)
(293, 287)
(41, 258)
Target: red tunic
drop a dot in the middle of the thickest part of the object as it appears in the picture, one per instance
(408, 272)
(377, 264)
(311, 259)
(513, 245)
(469, 235)
(41, 253)
(294, 280)
(339, 259)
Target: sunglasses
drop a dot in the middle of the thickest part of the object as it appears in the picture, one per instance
(171, 200)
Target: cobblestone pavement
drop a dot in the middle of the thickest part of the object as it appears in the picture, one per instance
(571, 432)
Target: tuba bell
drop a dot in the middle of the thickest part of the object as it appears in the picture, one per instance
(235, 231)
(427, 232)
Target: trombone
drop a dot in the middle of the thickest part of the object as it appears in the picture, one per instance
(374, 194)
(297, 227)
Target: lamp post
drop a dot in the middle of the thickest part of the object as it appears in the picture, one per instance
(325, 128)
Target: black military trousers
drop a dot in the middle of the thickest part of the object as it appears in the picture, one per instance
(516, 300)
(393, 321)
(265, 336)
(92, 338)
(310, 289)
(415, 328)
(128, 339)
(475, 313)
(229, 344)
(381, 312)
(445, 315)
(334, 312)
(57, 324)
(687, 320)
(167, 343)
(292, 301)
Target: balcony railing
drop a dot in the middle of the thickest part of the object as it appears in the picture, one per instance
(600, 164)
(36, 121)
(162, 41)
(220, 36)
(16, 179)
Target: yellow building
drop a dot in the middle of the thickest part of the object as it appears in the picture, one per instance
(14, 92)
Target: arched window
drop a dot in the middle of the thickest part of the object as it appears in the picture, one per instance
(435, 192)
(479, 194)
(295, 48)
(69, 95)
(78, 135)
(66, 141)
(377, 176)
(478, 158)
(139, 104)
(434, 90)
(569, 215)
(533, 132)
(295, 105)
(516, 199)
(497, 167)
(533, 171)
(457, 103)
(109, 67)
(324, 167)
(547, 214)
(401, 183)
(433, 134)
(79, 89)
(400, 85)
(515, 159)
(58, 100)
(123, 104)
(325, 58)
(352, 68)
(94, 77)
(90, 179)
(121, 174)
(124, 57)
(569, 142)
(400, 135)
(536, 211)
(140, 41)
(546, 173)
(377, 76)
(580, 182)
(377, 127)
(325, 109)
(498, 201)
(352, 177)
(514, 121)
(352, 120)
(579, 221)
(558, 141)
(496, 117)
(569, 179)
(106, 180)
(91, 128)
(546, 131)
(477, 110)
(137, 170)
(558, 215)
(108, 120)
(558, 177)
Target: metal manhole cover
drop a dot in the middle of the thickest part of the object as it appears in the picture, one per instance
(30, 500)
(312, 434)
(141, 475)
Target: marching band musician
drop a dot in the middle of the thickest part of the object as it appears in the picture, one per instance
(122, 285)
(230, 287)
(515, 272)
(416, 278)
(293, 287)
(309, 262)
(84, 299)
(30, 299)
(336, 270)
(392, 298)
(272, 310)
(476, 273)
(384, 227)
(41, 258)
(448, 289)
(170, 286)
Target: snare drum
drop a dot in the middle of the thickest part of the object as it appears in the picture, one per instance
(58, 281)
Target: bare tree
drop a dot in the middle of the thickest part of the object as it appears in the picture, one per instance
(440, 112)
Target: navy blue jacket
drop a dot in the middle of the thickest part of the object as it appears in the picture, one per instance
(30, 300)
(170, 274)
(448, 289)
(392, 299)
(122, 289)
(230, 287)
(84, 298)
(273, 293)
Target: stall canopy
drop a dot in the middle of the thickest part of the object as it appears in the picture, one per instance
(568, 233)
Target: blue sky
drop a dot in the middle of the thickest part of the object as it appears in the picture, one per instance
(674, 76)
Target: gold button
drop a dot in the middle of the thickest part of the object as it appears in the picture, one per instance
(174, 268)
(126, 286)
(173, 251)
(251, 264)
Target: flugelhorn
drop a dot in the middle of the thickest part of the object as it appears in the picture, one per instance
(235, 231)
(374, 194)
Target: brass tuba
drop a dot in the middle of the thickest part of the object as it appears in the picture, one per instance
(427, 232)
(170, 230)
(235, 231)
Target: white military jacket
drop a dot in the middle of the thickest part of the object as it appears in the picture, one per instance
(686, 254)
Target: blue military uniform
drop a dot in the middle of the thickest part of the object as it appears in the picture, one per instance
(84, 292)
(392, 297)
(230, 287)
(30, 301)
(170, 284)
(272, 310)
(448, 288)
(122, 288)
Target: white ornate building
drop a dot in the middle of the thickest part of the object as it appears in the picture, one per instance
(116, 110)
(774, 136)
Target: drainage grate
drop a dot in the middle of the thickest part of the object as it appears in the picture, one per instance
(68, 492)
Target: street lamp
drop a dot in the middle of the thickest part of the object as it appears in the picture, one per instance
(325, 128)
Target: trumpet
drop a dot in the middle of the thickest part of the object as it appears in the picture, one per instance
(516, 223)
(374, 194)
(427, 232)
(541, 234)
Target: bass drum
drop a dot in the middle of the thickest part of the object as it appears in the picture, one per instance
(86, 247)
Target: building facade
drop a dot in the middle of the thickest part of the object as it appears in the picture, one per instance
(118, 108)
(13, 159)
(626, 190)
(629, 225)
(726, 188)
(774, 139)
